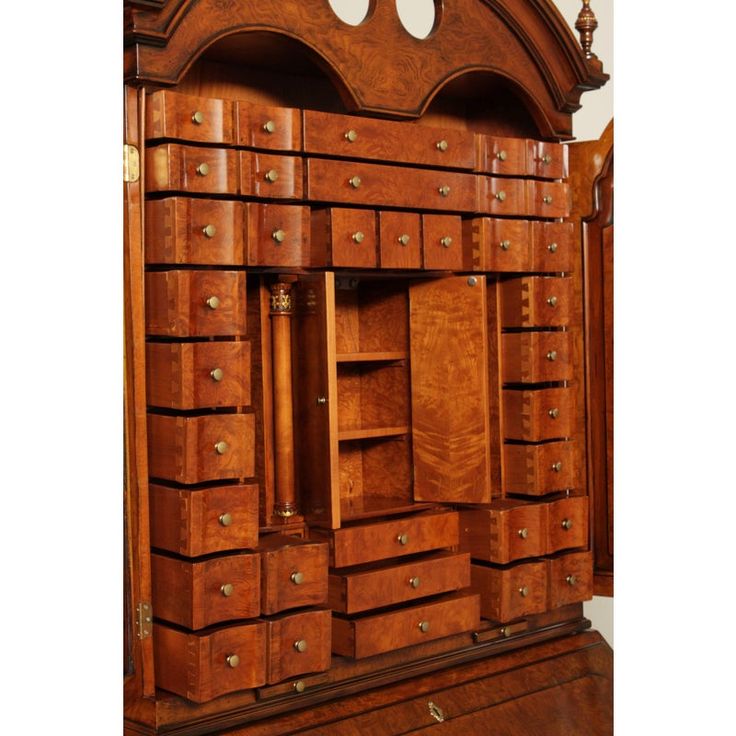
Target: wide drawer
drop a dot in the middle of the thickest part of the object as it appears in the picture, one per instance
(400, 240)
(535, 415)
(511, 592)
(202, 593)
(536, 301)
(552, 250)
(568, 523)
(268, 127)
(270, 175)
(199, 522)
(189, 118)
(369, 587)
(499, 245)
(535, 470)
(202, 666)
(179, 168)
(383, 140)
(277, 234)
(197, 449)
(570, 578)
(195, 303)
(536, 357)
(371, 634)
(344, 237)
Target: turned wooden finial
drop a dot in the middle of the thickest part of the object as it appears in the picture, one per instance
(585, 26)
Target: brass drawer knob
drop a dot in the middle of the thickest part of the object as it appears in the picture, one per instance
(227, 589)
(300, 645)
(209, 231)
(351, 136)
(299, 686)
(546, 159)
(233, 660)
(221, 447)
(446, 242)
(552, 301)
(404, 239)
(354, 182)
(442, 145)
(203, 169)
(414, 582)
(269, 126)
(226, 519)
(444, 191)
(212, 302)
(424, 626)
(358, 237)
(504, 244)
(198, 117)
(524, 533)
(502, 155)
(554, 413)
(402, 538)
(297, 577)
(552, 247)
(566, 524)
(571, 580)
(321, 400)
(552, 356)
(501, 196)
(556, 467)
(271, 175)
(524, 592)
(216, 374)
(547, 199)
(279, 236)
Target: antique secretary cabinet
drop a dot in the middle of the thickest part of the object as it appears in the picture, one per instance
(356, 458)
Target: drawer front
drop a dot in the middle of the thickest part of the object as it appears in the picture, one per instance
(383, 140)
(544, 414)
(201, 667)
(196, 449)
(400, 240)
(505, 156)
(268, 127)
(189, 118)
(270, 175)
(386, 632)
(570, 579)
(503, 196)
(508, 594)
(568, 523)
(535, 470)
(499, 245)
(553, 246)
(442, 242)
(363, 590)
(536, 301)
(194, 231)
(199, 594)
(396, 538)
(299, 643)
(548, 160)
(195, 303)
(173, 167)
(294, 576)
(547, 199)
(195, 523)
(535, 357)
(198, 375)
(347, 237)
(278, 235)
(351, 182)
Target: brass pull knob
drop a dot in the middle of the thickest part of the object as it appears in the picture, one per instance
(299, 686)
(444, 191)
(221, 447)
(279, 236)
(571, 580)
(524, 533)
(501, 196)
(552, 301)
(209, 231)
(504, 244)
(404, 239)
(556, 467)
(203, 169)
(472, 281)
(198, 117)
(442, 145)
(321, 400)
(566, 524)
(212, 302)
(402, 538)
(271, 175)
(351, 135)
(552, 356)
(233, 660)
(547, 199)
(524, 592)
(358, 237)
(354, 182)
(446, 241)
(414, 582)
(546, 159)
(269, 126)
(300, 645)
(502, 155)
(424, 626)
(554, 413)
(297, 577)
(226, 519)
(552, 247)
(227, 589)
(217, 374)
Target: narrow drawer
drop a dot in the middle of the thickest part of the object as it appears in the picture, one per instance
(505, 156)
(568, 523)
(511, 592)
(198, 375)
(442, 242)
(400, 240)
(298, 643)
(344, 237)
(189, 118)
(548, 160)
(543, 414)
(278, 234)
(357, 545)
(195, 303)
(509, 530)
(499, 245)
(203, 666)
(535, 357)
(369, 587)
(270, 175)
(268, 127)
(570, 578)
(503, 196)
(172, 167)
(553, 247)
(536, 301)
(199, 522)
(547, 199)
(196, 449)
(293, 573)
(199, 594)
(535, 470)
(349, 136)
(372, 634)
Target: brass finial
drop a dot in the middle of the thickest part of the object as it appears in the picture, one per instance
(585, 26)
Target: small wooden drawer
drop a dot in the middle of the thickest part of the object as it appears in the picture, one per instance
(568, 523)
(499, 245)
(203, 666)
(270, 175)
(547, 199)
(199, 594)
(194, 231)
(510, 592)
(367, 635)
(350, 136)
(535, 415)
(199, 522)
(293, 573)
(372, 586)
(177, 168)
(535, 470)
(298, 643)
(504, 196)
(570, 578)
(189, 118)
(400, 240)
(505, 156)
(198, 375)
(344, 237)
(553, 247)
(357, 545)
(442, 242)
(536, 301)
(548, 160)
(196, 449)
(535, 357)
(278, 234)
(268, 127)
(195, 303)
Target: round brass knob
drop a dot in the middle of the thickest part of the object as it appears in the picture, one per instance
(198, 117)
(212, 302)
(552, 301)
(226, 519)
(504, 244)
(269, 126)
(299, 686)
(566, 524)
(506, 631)
(424, 626)
(554, 413)
(227, 589)
(221, 447)
(524, 533)
(300, 645)
(351, 135)
(546, 159)
(446, 241)
(502, 155)
(354, 181)
(552, 247)
(209, 231)
(404, 239)
(501, 196)
(414, 582)
(571, 580)
(279, 236)
(217, 374)
(271, 175)
(321, 400)
(472, 281)
(233, 660)
(547, 199)
(444, 191)
(203, 169)
(402, 538)
(552, 356)
(524, 592)
(358, 237)
(442, 145)
(556, 467)
(297, 577)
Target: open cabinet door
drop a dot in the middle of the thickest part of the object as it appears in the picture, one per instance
(449, 379)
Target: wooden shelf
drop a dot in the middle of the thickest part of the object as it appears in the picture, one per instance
(371, 433)
(356, 508)
(372, 357)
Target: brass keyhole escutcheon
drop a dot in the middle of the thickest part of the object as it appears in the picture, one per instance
(436, 712)
(269, 126)
(198, 118)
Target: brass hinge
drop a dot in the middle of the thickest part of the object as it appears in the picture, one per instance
(144, 620)
(131, 163)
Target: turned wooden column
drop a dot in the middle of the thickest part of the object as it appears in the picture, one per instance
(283, 425)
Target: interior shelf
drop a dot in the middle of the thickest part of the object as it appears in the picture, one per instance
(372, 357)
(371, 433)
(355, 508)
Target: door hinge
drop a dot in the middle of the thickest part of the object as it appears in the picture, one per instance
(131, 163)
(144, 619)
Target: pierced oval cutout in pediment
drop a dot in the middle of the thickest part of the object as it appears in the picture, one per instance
(352, 12)
(417, 16)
